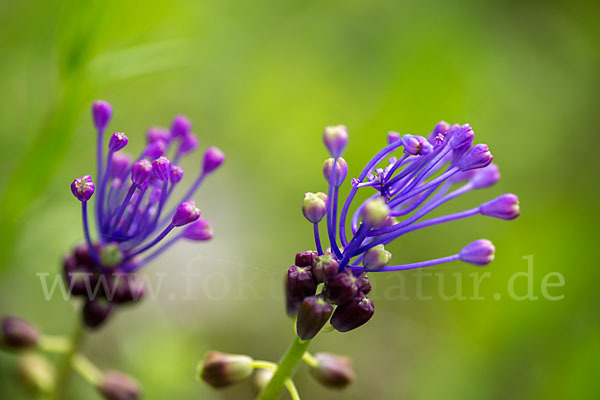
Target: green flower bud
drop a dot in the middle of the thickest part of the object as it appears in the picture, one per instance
(221, 369)
(376, 258)
(376, 212)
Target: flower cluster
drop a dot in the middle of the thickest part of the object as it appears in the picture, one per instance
(332, 285)
(131, 213)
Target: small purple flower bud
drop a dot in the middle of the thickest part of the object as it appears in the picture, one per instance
(314, 206)
(376, 212)
(186, 212)
(416, 145)
(140, 171)
(101, 112)
(341, 170)
(480, 252)
(188, 144)
(503, 207)
(79, 275)
(124, 288)
(155, 195)
(18, 333)
(376, 258)
(176, 173)
(305, 258)
(117, 141)
(478, 156)
(300, 283)
(119, 163)
(325, 267)
(335, 139)
(158, 134)
(83, 188)
(441, 127)
(200, 230)
(213, 158)
(162, 168)
(95, 312)
(462, 176)
(181, 126)
(461, 136)
(333, 371)
(485, 177)
(364, 284)
(393, 137)
(353, 314)
(314, 313)
(118, 386)
(155, 149)
(220, 369)
(342, 288)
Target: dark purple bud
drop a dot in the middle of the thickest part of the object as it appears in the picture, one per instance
(314, 313)
(101, 113)
(460, 136)
(140, 171)
(325, 267)
(213, 158)
(353, 314)
(200, 230)
(503, 207)
(314, 206)
(119, 163)
(95, 312)
(124, 288)
(305, 258)
(181, 126)
(155, 149)
(480, 252)
(221, 370)
(335, 139)
(364, 284)
(118, 386)
(339, 174)
(376, 212)
(416, 145)
(485, 177)
(162, 168)
(79, 276)
(300, 283)
(333, 371)
(18, 333)
(342, 288)
(478, 156)
(176, 173)
(376, 258)
(158, 134)
(186, 212)
(188, 144)
(393, 137)
(83, 188)
(117, 141)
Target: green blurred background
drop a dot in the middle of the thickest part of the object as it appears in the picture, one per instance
(261, 80)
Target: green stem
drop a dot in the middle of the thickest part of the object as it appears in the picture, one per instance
(285, 370)
(64, 373)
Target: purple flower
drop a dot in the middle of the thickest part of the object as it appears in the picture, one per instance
(480, 252)
(503, 207)
(335, 139)
(213, 158)
(133, 215)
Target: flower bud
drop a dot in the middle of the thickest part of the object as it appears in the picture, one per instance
(461, 136)
(95, 312)
(333, 371)
(176, 173)
(503, 207)
(485, 177)
(480, 252)
(83, 188)
(37, 373)
(199, 230)
(79, 276)
(155, 149)
(162, 168)
(376, 258)
(213, 158)
(335, 139)
(462, 176)
(478, 156)
(441, 127)
(314, 313)
(140, 171)
(118, 386)
(220, 369)
(353, 314)
(155, 195)
(119, 163)
(261, 379)
(325, 267)
(188, 144)
(342, 288)
(18, 333)
(185, 213)
(300, 283)
(314, 206)
(393, 137)
(375, 212)
(364, 284)
(416, 145)
(125, 288)
(181, 126)
(305, 258)
(117, 141)
(101, 113)
(337, 175)
(158, 134)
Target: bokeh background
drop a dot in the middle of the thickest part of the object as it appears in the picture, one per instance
(261, 80)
